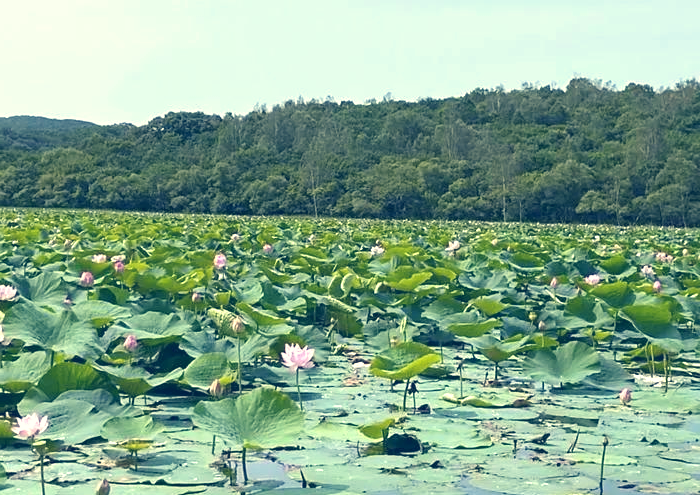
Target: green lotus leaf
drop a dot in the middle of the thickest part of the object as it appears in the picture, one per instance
(526, 262)
(496, 350)
(403, 361)
(654, 321)
(495, 281)
(409, 284)
(135, 381)
(473, 329)
(132, 431)
(99, 313)
(489, 305)
(376, 430)
(46, 289)
(616, 294)
(206, 368)
(262, 418)
(72, 421)
(17, 376)
(570, 363)
(58, 332)
(150, 329)
(615, 265)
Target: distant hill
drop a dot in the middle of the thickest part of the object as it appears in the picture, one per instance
(29, 123)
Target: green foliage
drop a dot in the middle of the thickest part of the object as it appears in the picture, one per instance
(403, 361)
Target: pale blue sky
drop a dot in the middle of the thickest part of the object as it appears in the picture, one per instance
(132, 60)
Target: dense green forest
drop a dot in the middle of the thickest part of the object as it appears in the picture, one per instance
(589, 153)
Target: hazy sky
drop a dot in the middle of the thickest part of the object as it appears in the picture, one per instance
(132, 60)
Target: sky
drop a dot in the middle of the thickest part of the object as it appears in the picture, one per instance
(115, 61)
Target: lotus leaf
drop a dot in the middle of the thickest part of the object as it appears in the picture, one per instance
(570, 363)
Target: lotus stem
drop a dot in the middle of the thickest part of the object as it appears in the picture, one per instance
(405, 394)
(41, 463)
(213, 443)
(602, 463)
(301, 405)
(667, 372)
(245, 470)
(240, 370)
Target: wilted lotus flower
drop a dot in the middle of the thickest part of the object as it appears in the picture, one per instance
(657, 286)
(647, 271)
(452, 246)
(130, 343)
(377, 250)
(235, 237)
(102, 487)
(216, 389)
(119, 266)
(67, 244)
(267, 249)
(99, 258)
(295, 357)
(31, 426)
(593, 279)
(625, 396)
(7, 292)
(220, 261)
(553, 283)
(86, 279)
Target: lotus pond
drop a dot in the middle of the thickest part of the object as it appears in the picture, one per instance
(447, 357)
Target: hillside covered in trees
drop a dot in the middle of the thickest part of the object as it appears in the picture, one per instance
(589, 153)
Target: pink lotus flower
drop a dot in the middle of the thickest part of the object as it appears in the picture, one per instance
(86, 279)
(295, 357)
(647, 271)
(220, 261)
(553, 283)
(130, 343)
(197, 297)
(31, 426)
(99, 258)
(625, 396)
(267, 249)
(657, 286)
(593, 279)
(119, 267)
(7, 292)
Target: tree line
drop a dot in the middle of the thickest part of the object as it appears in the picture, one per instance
(587, 153)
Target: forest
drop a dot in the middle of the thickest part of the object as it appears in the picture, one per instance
(589, 153)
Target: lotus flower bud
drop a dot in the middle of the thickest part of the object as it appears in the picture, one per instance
(235, 237)
(267, 249)
(86, 279)
(657, 286)
(220, 261)
(130, 343)
(541, 326)
(102, 487)
(216, 389)
(237, 325)
(553, 283)
(197, 297)
(625, 396)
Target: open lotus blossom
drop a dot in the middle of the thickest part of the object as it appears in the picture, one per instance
(453, 246)
(267, 249)
(647, 271)
(592, 279)
(99, 258)
(657, 286)
(31, 426)
(376, 250)
(663, 257)
(625, 396)
(7, 292)
(130, 343)
(294, 357)
(220, 261)
(86, 279)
